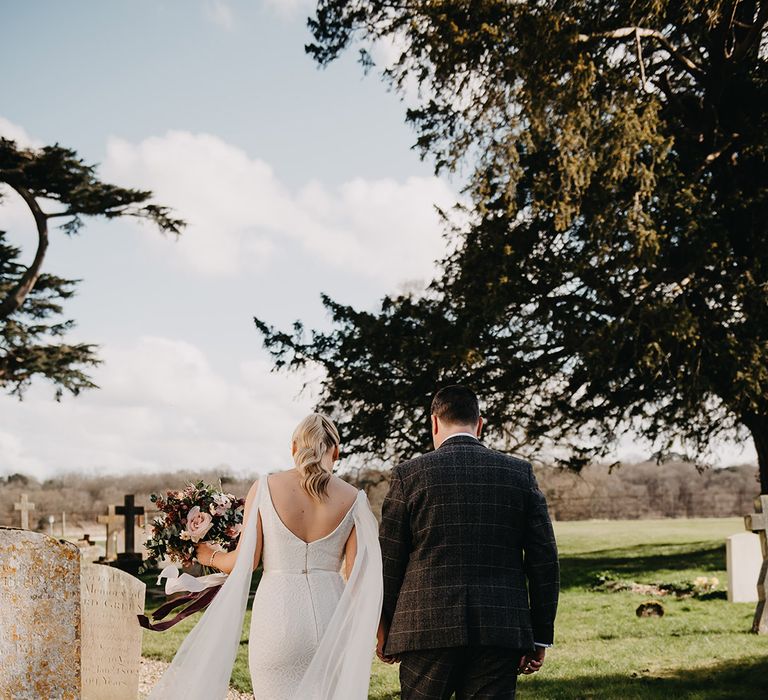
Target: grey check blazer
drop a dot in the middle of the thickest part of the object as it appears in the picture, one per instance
(469, 552)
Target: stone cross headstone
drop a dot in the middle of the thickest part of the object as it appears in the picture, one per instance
(24, 506)
(743, 561)
(112, 521)
(129, 511)
(758, 523)
(129, 560)
(69, 629)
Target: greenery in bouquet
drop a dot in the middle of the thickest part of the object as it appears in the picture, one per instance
(198, 513)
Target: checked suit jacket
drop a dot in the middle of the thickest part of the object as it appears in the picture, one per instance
(469, 552)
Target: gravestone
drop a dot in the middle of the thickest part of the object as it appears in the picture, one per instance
(90, 551)
(113, 523)
(129, 560)
(111, 636)
(24, 506)
(68, 629)
(743, 560)
(758, 522)
(40, 614)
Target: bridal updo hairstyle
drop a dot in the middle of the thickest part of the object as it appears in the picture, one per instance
(313, 437)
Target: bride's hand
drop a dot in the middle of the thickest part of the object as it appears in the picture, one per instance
(204, 553)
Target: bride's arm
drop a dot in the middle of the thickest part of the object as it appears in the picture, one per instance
(225, 561)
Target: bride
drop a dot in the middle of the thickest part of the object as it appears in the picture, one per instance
(312, 632)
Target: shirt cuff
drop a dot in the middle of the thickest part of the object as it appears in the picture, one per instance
(539, 644)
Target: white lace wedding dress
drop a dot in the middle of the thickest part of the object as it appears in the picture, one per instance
(312, 634)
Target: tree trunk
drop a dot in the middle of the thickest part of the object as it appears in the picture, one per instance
(18, 294)
(758, 426)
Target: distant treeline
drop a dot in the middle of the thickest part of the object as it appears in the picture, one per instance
(632, 491)
(649, 490)
(628, 492)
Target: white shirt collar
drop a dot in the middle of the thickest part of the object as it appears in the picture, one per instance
(458, 434)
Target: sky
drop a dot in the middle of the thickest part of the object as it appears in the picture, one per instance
(294, 180)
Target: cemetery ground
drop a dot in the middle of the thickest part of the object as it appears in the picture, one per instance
(701, 648)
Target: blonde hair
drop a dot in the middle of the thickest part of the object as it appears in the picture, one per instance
(313, 437)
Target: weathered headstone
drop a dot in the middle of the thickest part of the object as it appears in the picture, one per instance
(743, 561)
(24, 506)
(40, 613)
(758, 523)
(113, 523)
(111, 636)
(68, 629)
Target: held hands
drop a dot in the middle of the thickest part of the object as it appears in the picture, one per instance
(381, 640)
(532, 661)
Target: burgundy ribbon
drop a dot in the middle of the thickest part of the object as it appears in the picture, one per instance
(198, 600)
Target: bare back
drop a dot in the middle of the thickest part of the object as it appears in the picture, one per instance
(306, 518)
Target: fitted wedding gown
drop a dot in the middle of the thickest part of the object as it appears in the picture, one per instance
(294, 603)
(312, 634)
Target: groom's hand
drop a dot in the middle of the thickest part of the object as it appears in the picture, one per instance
(532, 661)
(383, 657)
(381, 640)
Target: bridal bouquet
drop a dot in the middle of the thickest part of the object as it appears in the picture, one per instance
(198, 513)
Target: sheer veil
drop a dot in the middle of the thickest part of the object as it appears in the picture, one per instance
(340, 669)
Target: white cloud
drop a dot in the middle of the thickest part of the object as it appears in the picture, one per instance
(290, 9)
(240, 213)
(17, 133)
(162, 405)
(220, 13)
(15, 217)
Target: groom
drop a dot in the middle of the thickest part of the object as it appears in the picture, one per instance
(471, 576)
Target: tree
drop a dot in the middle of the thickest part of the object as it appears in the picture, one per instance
(54, 184)
(612, 272)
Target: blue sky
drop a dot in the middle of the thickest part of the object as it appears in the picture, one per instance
(295, 180)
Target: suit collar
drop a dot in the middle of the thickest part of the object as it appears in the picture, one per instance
(460, 439)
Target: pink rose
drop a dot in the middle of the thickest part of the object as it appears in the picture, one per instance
(198, 523)
(234, 530)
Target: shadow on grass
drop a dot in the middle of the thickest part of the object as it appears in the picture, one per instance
(728, 680)
(640, 562)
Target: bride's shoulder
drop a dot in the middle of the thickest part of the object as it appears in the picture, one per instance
(344, 492)
(343, 486)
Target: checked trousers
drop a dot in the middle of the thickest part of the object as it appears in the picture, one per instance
(473, 673)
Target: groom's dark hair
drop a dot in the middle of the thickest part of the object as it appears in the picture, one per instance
(456, 404)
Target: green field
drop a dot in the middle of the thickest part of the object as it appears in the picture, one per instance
(700, 648)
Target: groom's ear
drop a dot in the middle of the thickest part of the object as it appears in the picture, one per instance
(434, 424)
(479, 426)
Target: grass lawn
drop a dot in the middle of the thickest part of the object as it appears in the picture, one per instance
(700, 649)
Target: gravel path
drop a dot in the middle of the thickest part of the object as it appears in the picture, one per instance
(151, 670)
